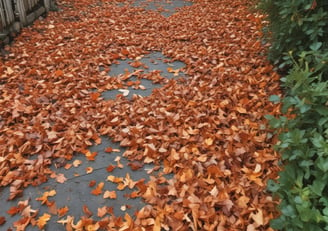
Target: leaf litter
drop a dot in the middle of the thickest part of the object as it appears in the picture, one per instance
(208, 130)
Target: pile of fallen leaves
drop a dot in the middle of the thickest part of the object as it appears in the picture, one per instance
(208, 130)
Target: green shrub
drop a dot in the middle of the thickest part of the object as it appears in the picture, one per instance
(303, 143)
(294, 26)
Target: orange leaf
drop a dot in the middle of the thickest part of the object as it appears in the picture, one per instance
(102, 211)
(42, 221)
(91, 156)
(94, 95)
(121, 186)
(86, 210)
(125, 52)
(132, 195)
(136, 64)
(110, 168)
(92, 183)
(88, 170)
(115, 179)
(44, 198)
(109, 149)
(62, 211)
(98, 189)
(13, 210)
(59, 73)
(110, 194)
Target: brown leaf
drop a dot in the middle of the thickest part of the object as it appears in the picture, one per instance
(92, 183)
(2, 220)
(135, 165)
(110, 168)
(86, 211)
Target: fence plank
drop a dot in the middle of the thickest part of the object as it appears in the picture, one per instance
(26, 11)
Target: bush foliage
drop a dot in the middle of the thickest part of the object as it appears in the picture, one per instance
(295, 26)
(303, 132)
(297, 33)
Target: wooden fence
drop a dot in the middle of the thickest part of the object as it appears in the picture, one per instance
(15, 14)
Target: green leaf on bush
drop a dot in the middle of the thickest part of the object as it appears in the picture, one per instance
(288, 211)
(322, 164)
(315, 46)
(318, 186)
(274, 98)
(273, 186)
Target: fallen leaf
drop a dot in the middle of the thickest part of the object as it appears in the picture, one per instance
(88, 170)
(94, 95)
(110, 194)
(102, 211)
(124, 91)
(98, 189)
(13, 210)
(258, 217)
(60, 178)
(44, 197)
(109, 149)
(110, 168)
(59, 73)
(135, 165)
(86, 211)
(115, 179)
(91, 156)
(62, 211)
(42, 221)
(92, 183)
(2, 220)
(77, 163)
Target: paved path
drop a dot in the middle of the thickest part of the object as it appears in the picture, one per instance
(126, 106)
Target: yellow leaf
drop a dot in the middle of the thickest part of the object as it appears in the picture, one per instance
(209, 141)
(42, 221)
(258, 217)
